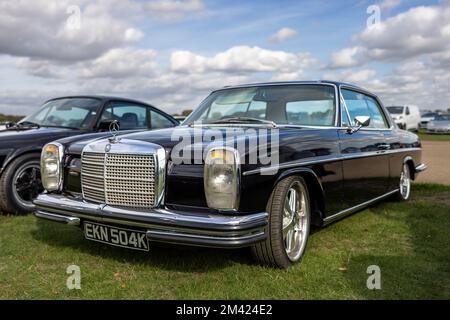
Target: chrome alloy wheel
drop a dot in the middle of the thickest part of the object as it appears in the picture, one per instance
(295, 221)
(405, 182)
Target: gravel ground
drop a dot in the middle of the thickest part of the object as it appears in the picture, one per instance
(436, 155)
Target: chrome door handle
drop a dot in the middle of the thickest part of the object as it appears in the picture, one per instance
(384, 146)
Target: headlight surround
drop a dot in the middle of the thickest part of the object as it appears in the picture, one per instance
(221, 178)
(51, 166)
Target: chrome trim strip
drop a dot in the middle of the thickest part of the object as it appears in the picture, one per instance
(324, 159)
(358, 207)
(73, 221)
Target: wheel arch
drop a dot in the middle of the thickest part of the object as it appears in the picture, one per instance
(412, 168)
(18, 153)
(315, 189)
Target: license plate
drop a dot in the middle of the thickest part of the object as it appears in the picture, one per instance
(114, 236)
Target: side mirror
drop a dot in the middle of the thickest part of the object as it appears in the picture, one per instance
(106, 124)
(360, 121)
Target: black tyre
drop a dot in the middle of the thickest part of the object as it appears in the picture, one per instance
(289, 224)
(404, 193)
(20, 184)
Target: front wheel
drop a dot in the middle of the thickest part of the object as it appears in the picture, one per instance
(20, 184)
(289, 224)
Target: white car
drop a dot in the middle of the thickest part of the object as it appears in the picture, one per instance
(426, 118)
(406, 117)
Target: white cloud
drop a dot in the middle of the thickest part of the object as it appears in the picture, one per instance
(241, 58)
(408, 35)
(283, 34)
(346, 57)
(41, 29)
(352, 76)
(121, 63)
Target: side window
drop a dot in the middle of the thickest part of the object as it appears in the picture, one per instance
(378, 120)
(359, 104)
(158, 121)
(257, 109)
(130, 116)
(310, 112)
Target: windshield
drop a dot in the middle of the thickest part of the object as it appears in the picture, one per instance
(429, 115)
(395, 110)
(309, 105)
(68, 113)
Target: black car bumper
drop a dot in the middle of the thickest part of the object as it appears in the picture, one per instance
(162, 225)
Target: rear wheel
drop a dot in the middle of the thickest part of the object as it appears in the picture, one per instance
(404, 192)
(20, 184)
(288, 227)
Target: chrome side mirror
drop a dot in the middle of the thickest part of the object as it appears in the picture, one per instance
(360, 121)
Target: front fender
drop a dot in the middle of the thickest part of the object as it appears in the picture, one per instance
(315, 190)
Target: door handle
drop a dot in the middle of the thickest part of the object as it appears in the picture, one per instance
(384, 146)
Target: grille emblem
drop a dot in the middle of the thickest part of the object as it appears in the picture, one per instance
(108, 148)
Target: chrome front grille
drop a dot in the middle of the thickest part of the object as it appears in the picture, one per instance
(92, 176)
(119, 179)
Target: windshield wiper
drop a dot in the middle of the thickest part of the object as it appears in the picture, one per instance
(243, 120)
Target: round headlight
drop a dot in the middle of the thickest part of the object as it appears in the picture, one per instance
(221, 178)
(51, 166)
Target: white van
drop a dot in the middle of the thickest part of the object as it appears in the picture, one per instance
(406, 117)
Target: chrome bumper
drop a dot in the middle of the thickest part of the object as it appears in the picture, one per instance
(163, 225)
(421, 168)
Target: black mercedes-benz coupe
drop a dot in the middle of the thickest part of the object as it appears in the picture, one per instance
(21, 143)
(254, 165)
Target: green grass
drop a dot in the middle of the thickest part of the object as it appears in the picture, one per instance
(408, 241)
(433, 137)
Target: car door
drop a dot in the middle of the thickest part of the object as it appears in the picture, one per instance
(364, 153)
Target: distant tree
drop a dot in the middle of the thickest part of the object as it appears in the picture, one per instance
(186, 112)
(4, 118)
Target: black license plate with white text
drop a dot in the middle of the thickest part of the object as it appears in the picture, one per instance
(115, 236)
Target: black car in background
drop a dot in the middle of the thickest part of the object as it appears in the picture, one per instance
(21, 143)
(332, 148)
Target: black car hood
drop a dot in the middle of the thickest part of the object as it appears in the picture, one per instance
(192, 137)
(166, 138)
(20, 135)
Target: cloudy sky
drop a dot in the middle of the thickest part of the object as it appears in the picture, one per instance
(171, 53)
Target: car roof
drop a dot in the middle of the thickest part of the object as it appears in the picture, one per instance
(262, 84)
(102, 98)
